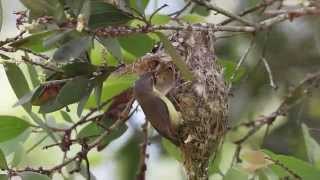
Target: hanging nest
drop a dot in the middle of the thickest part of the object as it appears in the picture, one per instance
(202, 102)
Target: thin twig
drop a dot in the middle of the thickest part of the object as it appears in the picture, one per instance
(278, 163)
(224, 12)
(257, 7)
(242, 59)
(271, 80)
(179, 12)
(43, 66)
(156, 11)
(143, 153)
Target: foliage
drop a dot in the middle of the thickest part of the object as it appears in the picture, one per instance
(82, 58)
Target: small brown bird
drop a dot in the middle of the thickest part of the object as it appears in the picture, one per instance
(158, 109)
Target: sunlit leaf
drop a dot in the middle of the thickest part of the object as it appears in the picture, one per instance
(176, 58)
(193, 18)
(113, 46)
(11, 127)
(3, 161)
(222, 161)
(139, 5)
(237, 174)
(311, 145)
(98, 54)
(136, 46)
(28, 175)
(72, 50)
(18, 82)
(100, 10)
(172, 149)
(160, 19)
(113, 86)
(66, 117)
(19, 154)
(301, 168)
(34, 42)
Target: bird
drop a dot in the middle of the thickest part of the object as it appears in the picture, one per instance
(158, 109)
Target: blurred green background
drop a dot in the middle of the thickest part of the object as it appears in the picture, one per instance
(292, 50)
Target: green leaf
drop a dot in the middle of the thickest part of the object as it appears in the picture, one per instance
(53, 40)
(112, 136)
(113, 86)
(237, 174)
(50, 106)
(176, 58)
(72, 50)
(201, 10)
(311, 145)
(27, 175)
(97, 54)
(27, 98)
(139, 5)
(11, 127)
(113, 46)
(100, 10)
(19, 154)
(159, 19)
(66, 117)
(4, 177)
(135, 46)
(229, 68)
(224, 159)
(128, 157)
(33, 75)
(82, 104)
(40, 8)
(3, 161)
(267, 174)
(18, 82)
(74, 90)
(299, 167)
(193, 18)
(34, 42)
(173, 150)
(98, 92)
(93, 131)
(76, 68)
